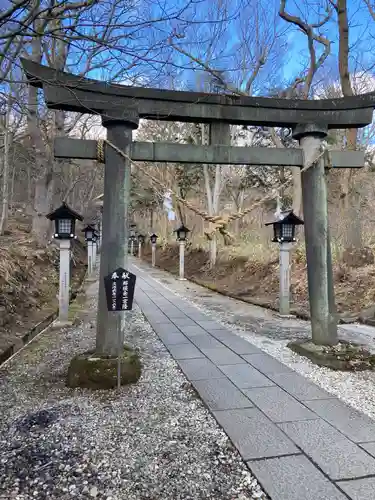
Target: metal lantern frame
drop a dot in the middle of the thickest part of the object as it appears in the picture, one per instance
(153, 238)
(64, 219)
(182, 232)
(284, 227)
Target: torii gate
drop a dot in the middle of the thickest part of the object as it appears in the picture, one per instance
(121, 107)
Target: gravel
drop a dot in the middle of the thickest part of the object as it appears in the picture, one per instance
(271, 333)
(153, 440)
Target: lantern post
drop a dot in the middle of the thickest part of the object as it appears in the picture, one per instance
(182, 232)
(64, 219)
(153, 239)
(94, 248)
(89, 231)
(284, 227)
(132, 238)
(141, 240)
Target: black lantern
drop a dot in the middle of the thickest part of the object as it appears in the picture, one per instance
(284, 227)
(90, 233)
(153, 238)
(141, 239)
(132, 231)
(65, 221)
(182, 232)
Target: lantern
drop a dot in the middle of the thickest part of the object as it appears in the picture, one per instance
(284, 227)
(153, 238)
(90, 233)
(64, 219)
(182, 232)
(132, 231)
(141, 239)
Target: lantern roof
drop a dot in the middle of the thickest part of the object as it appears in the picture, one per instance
(153, 235)
(182, 228)
(89, 227)
(64, 212)
(286, 217)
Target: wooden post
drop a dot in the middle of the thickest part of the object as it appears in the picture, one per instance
(153, 254)
(64, 286)
(318, 253)
(94, 251)
(284, 299)
(89, 258)
(114, 223)
(182, 260)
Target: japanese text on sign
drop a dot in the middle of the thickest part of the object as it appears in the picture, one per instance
(119, 287)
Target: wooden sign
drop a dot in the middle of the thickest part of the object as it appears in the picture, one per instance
(119, 290)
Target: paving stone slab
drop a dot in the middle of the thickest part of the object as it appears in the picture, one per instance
(278, 405)
(200, 369)
(156, 319)
(205, 341)
(172, 338)
(266, 364)
(369, 447)
(254, 435)
(354, 424)
(191, 330)
(184, 322)
(334, 453)
(175, 314)
(245, 376)
(234, 342)
(359, 489)
(221, 394)
(222, 356)
(185, 351)
(294, 478)
(299, 387)
(165, 328)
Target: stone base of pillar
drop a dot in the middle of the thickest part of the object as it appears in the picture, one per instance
(93, 371)
(181, 279)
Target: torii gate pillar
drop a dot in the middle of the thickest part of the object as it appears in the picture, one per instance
(317, 240)
(114, 235)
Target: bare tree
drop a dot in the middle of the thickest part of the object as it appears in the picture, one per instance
(6, 167)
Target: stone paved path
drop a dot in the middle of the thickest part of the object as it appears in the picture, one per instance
(299, 441)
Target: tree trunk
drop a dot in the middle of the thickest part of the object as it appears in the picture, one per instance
(44, 182)
(297, 191)
(209, 197)
(6, 169)
(350, 196)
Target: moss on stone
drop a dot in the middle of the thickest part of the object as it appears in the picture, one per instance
(345, 356)
(94, 371)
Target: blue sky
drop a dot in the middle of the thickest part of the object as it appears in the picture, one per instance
(361, 34)
(286, 61)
